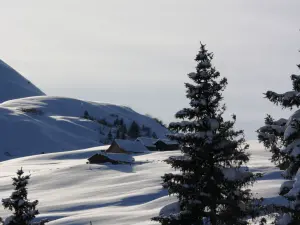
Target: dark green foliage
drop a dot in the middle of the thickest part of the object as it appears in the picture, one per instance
(24, 210)
(118, 134)
(263, 221)
(160, 122)
(117, 122)
(109, 137)
(271, 135)
(86, 115)
(154, 135)
(211, 186)
(103, 122)
(114, 115)
(121, 122)
(287, 101)
(35, 111)
(121, 129)
(282, 139)
(123, 134)
(146, 131)
(100, 121)
(134, 130)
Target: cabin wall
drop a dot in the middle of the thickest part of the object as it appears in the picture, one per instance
(151, 148)
(99, 159)
(161, 146)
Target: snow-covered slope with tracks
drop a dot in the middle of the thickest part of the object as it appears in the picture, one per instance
(72, 192)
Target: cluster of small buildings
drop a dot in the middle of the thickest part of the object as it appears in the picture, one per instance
(120, 150)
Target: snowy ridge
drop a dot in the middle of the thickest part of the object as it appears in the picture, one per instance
(44, 124)
(13, 85)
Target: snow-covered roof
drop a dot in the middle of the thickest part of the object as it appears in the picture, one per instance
(131, 146)
(118, 157)
(168, 141)
(146, 141)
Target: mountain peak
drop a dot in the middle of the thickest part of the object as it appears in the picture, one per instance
(13, 85)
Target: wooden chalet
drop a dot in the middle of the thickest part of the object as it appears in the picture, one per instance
(166, 145)
(127, 147)
(147, 142)
(112, 158)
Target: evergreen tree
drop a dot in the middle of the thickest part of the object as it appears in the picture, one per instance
(146, 131)
(109, 137)
(24, 210)
(123, 136)
(123, 131)
(288, 132)
(154, 135)
(118, 134)
(117, 122)
(134, 130)
(211, 184)
(86, 115)
(271, 135)
(121, 122)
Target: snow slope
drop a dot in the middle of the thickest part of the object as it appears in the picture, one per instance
(57, 125)
(73, 192)
(13, 85)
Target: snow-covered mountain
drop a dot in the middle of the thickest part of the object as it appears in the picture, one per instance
(13, 85)
(44, 124)
(71, 192)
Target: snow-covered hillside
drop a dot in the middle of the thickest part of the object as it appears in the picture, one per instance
(73, 192)
(34, 125)
(13, 85)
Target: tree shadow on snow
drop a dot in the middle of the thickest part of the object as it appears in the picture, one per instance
(142, 199)
(125, 168)
(83, 207)
(128, 201)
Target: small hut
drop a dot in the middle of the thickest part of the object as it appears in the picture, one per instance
(112, 158)
(147, 142)
(126, 146)
(166, 145)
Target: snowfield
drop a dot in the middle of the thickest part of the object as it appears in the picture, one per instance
(73, 192)
(13, 85)
(33, 125)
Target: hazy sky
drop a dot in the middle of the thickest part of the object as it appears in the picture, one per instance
(137, 53)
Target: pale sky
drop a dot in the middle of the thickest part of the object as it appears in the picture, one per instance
(137, 53)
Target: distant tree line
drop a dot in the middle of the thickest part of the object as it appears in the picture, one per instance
(119, 130)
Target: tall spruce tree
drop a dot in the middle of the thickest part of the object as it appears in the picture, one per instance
(288, 131)
(211, 184)
(24, 210)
